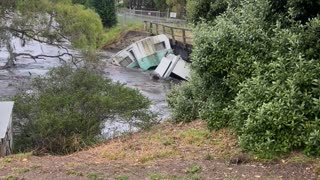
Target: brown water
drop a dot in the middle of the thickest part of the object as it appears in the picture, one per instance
(13, 79)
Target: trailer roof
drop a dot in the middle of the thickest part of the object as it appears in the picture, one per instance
(5, 114)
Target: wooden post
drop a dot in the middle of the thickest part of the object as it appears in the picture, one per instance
(172, 33)
(157, 28)
(184, 36)
(163, 29)
(150, 30)
(145, 25)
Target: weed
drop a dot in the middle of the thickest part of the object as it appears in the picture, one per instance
(208, 157)
(72, 164)
(21, 170)
(114, 156)
(123, 177)
(74, 173)
(33, 167)
(94, 176)
(157, 177)
(168, 142)
(11, 177)
(194, 169)
(7, 159)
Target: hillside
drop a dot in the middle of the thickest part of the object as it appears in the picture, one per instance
(185, 151)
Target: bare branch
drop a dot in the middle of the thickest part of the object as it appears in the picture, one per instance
(43, 56)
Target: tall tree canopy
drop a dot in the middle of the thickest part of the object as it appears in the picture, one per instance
(107, 11)
(48, 21)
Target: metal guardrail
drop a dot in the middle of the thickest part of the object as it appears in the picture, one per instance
(176, 33)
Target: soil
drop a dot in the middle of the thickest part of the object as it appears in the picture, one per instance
(168, 151)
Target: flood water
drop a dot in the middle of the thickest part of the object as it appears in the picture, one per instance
(13, 79)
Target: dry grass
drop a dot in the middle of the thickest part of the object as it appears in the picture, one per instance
(165, 144)
(167, 141)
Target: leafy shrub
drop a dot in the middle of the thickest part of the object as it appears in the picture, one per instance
(258, 77)
(277, 109)
(207, 9)
(65, 111)
(223, 57)
(185, 100)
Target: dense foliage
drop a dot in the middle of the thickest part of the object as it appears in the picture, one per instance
(257, 76)
(105, 8)
(208, 10)
(65, 111)
(107, 11)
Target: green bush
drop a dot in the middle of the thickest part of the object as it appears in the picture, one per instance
(205, 9)
(184, 101)
(65, 111)
(258, 77)
(277, 109)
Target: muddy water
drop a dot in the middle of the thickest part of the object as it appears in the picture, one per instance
(12, 79)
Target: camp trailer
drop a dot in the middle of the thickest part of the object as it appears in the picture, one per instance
(145, 54)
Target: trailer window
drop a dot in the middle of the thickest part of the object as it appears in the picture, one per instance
(125, 62)
(160, 46)
(132, 54)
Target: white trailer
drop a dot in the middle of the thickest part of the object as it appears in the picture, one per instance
(6, 133)
(173, 65)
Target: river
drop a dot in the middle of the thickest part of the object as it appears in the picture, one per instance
(11, 80)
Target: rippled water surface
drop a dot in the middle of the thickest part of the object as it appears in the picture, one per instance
(12, 79)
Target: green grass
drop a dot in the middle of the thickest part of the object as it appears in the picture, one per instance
(113, 34)
(196, 136)
(174, 177)
(122, 177)
(94, 176)
(194, 169)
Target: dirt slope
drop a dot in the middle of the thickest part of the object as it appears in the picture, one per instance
(186, 151)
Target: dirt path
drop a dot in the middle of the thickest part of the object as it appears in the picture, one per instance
(165, 152)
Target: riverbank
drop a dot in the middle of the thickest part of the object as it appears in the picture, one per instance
(167, 151)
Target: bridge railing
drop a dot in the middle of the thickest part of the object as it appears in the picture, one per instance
(183, 35)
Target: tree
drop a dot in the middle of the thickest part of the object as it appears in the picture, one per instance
(107, 11)
(160, 5)
(48, 21)
(208, 10)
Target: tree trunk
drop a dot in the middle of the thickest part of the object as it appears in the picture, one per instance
(10, 61)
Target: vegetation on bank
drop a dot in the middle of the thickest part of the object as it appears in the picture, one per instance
(65, 111)
(124, 25)
(166, 151)
(256, 71)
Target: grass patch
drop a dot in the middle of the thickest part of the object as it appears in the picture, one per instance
(21, 170)
(195, 136)
(94, 176)
(157, 155)
(122, 177)
(208, 157)
(71, 172)
(111, 35)
(10, 177)
(157, 177)
(194, 169)
(114, 155)
(174, 177)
